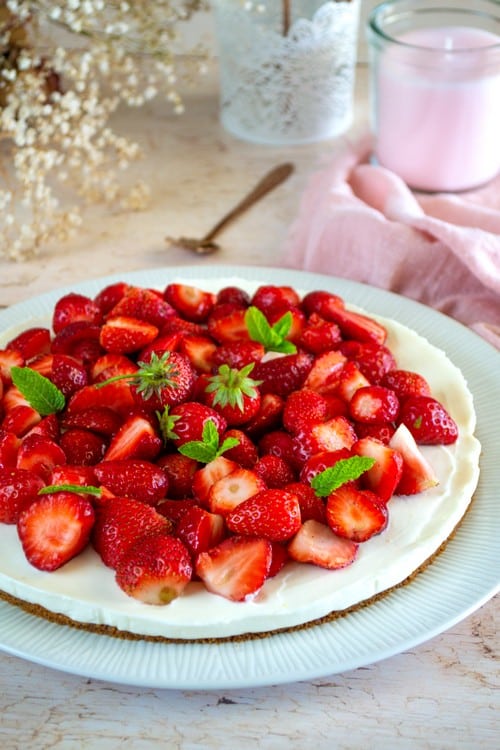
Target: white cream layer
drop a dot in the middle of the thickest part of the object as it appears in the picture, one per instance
(85, 590)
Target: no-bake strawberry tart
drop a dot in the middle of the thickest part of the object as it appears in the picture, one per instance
(197, 462)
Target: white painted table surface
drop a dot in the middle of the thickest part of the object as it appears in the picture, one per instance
(443, 694)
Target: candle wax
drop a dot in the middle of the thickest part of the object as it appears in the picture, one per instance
(437, 112)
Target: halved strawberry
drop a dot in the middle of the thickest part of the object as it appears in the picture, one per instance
(279, 558)
(282, 375)
(175, 509)
(79, 475)
(55, 528)
(428, 421)
(155, 569)
(9, 358)
(325, 373)
(20, 420)
(236, 568)
(192, 303)
(143, 304)
(9, 445)
(110, 366)
(267, 418)
(75, 308)
(355, 514)
(384, 476)
(317, 544)
(39, 454)
(206, 477)
(179, 471)
(110, 295)
(373, 360)
(374, 404)
(136, 438)
(321, 303)
(33, 342)
(418, 475)
(142, 480)
(199, 350)
(68, 374)
(273, 297)
(351, 379)
(116, 396)
(226, 324)
(319, 335)
(119, 522)
(231, 490)
(98, 419)
(273, 514)
(332, 435)
(18, 487)
(122, 335)
(199, 529)
(82, 446)
(318, 462)
(355, 325)
(312, 507)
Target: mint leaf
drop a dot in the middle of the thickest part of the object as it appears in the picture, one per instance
(38, 390)
(87, 489)
(272, 337)
(207, 449)
(345, 470)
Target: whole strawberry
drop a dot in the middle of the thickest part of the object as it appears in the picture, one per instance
(234, 394)
(428, 421)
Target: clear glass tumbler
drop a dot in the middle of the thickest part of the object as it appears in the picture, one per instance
(287, 68)
(435, 90)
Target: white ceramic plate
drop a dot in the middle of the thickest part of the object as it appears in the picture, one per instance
(457, 583)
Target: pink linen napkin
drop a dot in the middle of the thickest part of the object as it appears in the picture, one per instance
(362, 222)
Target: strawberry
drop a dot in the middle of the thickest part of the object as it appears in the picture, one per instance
(226, 324)
(417, 475)
(80, 340)
(141, 480)
(119, 522)
(178, 327)
(164, 381)
(109, 366)
(9, 445)
(82, 446)
(18, 487)
(66, 474)
(268, 416)
(122, 335)
(155, 569)
(110, 296)
(179, 471)
(283, 374)
(316, 543)
(273, 514)
(192, 303)
(39, 454)
(31, 343)
(199, 529)
(234, 394)
(324, 304)
(206, 477)
(319, 335)
(55, 528)
(233, 295)
(68, 374)
(302, 408)
(278, 443)
(374, 404)
(373, 360)
(385, 475)
(355, 514)
(143, 304)
(318, 462)
(236, 568)
(238, 354)
(245, 453)
(230, 490)
(136, 438)
(98, 419)
(381, 432)
(20, 420)
(297, 321)
(350, 380)
(199, 350)
(175, 509)
(274, 471)
(325, 373)
(279, 558)
(168, 342)
(332, 435)
(185, 422)
(428, 421)
(271, 297)
(9, 358)
(406, 383)
(311, 505)
(75, 308)
(353, 325)
(116, 396)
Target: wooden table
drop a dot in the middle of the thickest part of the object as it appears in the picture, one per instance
(443, 694)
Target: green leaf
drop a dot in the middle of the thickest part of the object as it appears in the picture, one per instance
(273, 338)
(345, 470)
(87, 489)
(38, 390)
(207, 449)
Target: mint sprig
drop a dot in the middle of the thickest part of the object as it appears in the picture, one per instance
(86, 489)
(39, 391)
(207, 449)
(272, 337)
(345, 470)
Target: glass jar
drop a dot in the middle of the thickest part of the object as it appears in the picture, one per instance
(435, 91)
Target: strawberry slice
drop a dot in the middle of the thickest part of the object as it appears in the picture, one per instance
(66, 474)
(199, 350)
(332, 435)
(233, 489)
(141, 480)
(351, 379)
(155, 569)
(227, 324)
(110, 366)
(355, 514)
(9, 358)
(373, 360)
(325, 373)
(273, 514)
(206, 477)
(236, 568)
(136, 438)
(18, 487)
(122, 335)
(418, 475)
(354, 325)
(119, 522)
(385, 475)
(55, 528)
(31, 343)
(317, 544)
(199, 529)
(190, 302)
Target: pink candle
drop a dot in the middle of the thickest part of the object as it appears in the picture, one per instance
(437, 107)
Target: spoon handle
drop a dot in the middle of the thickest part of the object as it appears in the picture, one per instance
(272, 179)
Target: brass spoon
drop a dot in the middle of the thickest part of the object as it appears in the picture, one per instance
(206, 244)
